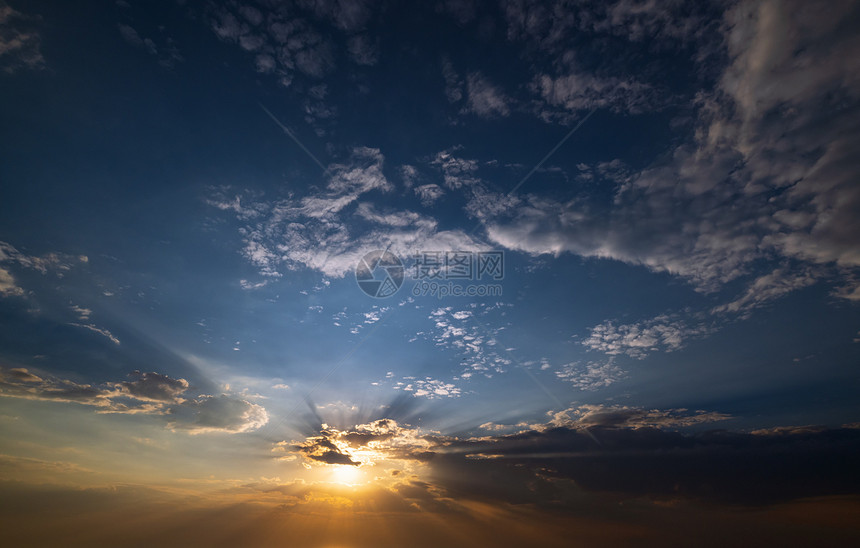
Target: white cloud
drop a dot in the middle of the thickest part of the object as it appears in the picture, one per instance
(100, 330)
(592, 375)
(457, 172)
(409, 175)
(663, 333)
(317, 231)
(767, 288)
(216, 414)
(768, 175)
(428, 387)
(474, 340)
(429, 193)
(8, 287)
(82, 313)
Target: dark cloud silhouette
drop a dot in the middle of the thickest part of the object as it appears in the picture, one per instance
(154, 386)
(732, 467)
(322, 449)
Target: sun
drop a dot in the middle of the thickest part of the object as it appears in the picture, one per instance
(347, 474)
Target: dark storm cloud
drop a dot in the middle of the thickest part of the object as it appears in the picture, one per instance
(551, 466)
(616, 451)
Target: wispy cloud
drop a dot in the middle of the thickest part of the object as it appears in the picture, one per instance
(165, 50)
(484, 98)
(20, 42)
(56, 263)
(315, 231)
(95, 329)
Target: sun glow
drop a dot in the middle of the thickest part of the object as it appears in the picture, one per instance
(347, 474)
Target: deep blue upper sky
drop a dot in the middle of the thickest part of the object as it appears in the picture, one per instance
(692, 245)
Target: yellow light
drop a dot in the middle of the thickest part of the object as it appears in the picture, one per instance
(346, 474)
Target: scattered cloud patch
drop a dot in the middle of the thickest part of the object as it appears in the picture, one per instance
(663, 333)
(591, 375)
(429, 193)
(484, 98)
(20, 42)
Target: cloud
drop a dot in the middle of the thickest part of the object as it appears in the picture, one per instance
(549, 25)
(462, 11)
(429, 193)
(363, 50)
(365, 444)
(348, 15)
(474, 339)
(21, 383)
(318, 231)
(584, 91)
(616, 452)
(11, 259)
(20, 44)
(453, 83)
(767, 288)
(592, 375)
(154, 387)
(484, 98)
(8, 286)
(95, 329)
(585, 416)
(148, 394)
(409, 175)
(766, 175)
(663, 333)
(166, 51)
(221, 413)
(322, 450)
(58, 263)
(620, 452)
(294, 39)
(285, 43)
(428, 387)
(457, 172)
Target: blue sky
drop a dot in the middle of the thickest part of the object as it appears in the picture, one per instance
(186, 190)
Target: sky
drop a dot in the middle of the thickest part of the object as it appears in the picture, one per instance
(450, 273)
